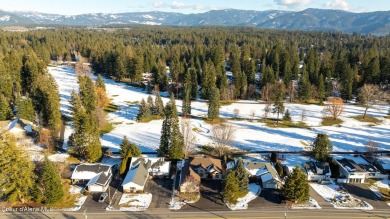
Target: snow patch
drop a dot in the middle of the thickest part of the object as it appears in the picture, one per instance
(242, 203)
(5, 18)
(135, 202)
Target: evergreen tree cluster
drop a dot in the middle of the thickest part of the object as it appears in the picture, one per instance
(296, 187)
(151, 108)
(85, 141)
(172, 140)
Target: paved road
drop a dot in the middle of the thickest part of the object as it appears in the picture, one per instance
(261, 213)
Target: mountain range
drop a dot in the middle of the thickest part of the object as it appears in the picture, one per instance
(377, 23)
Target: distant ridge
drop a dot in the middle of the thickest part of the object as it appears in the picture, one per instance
(377, 23)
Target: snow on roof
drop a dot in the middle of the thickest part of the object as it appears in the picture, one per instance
(28, 128)
(88, 171)
(357, 159)
(266, 177)
(384, 162)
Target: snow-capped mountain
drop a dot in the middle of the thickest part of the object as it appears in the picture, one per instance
(309, 19)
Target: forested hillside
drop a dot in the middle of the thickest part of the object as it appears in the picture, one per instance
(331, 64)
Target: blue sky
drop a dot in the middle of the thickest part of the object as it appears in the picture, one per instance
(73, 7)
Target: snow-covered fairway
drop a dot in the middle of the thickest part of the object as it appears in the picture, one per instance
(351, 136)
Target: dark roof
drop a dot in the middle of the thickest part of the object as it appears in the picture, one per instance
(314, 166)
(350, 165)
(96, 168)
(103, 179)
(186, 171)
(206, 163)
(255, 165)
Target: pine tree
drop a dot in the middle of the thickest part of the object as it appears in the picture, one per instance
(51, 181)
(144, 110)
(278, 98)
(87, 93)
(186, 108)
(151, 106)
(86, 138)
(296, 187)
(100, 82)
(287, 116)
(242, 178)
(159, 106)
(274, 157)
(123, 166)
(129, 149)
(304, 86)
(171, 141)
(16, 172)
(322, 147)
(213, 111)
(26, 109)
(5, 109)
(321, 89)
(231, 191)
(279, 168)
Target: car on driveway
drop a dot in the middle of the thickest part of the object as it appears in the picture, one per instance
(103, 196)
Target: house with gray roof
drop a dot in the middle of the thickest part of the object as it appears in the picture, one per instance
(136, 178)
(96, 177)
(263, 172)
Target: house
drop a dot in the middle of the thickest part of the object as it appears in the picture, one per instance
(141, 168)
(383, 164)
(136, 178)
(20, 128)
(96, 177)
(207, 167)
(317, 171)
(156, 166)
(263, 172)
(196, 169)
(189, 179)
(355, 169)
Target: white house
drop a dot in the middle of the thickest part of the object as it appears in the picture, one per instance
(136, 178)
(317, 171)
(263, 172)
(355, 169)
(96, 177)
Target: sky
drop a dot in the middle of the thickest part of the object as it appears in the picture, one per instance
(74, 7)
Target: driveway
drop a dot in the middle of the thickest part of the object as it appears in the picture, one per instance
(210, 197)
(362, 192)
(267, 198)
(161, 189)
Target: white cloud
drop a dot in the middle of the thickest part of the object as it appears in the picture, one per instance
(292, 3)
(337, 4)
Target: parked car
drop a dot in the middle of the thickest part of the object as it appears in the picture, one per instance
(103, 196)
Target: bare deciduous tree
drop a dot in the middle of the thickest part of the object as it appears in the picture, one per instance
(368, 94)
(222, 135)
(292, 90)
(335, 107)
(371, 148)
(236, 112)
(303, 115)
(253, 114)
(189, 137)
(267, 109)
